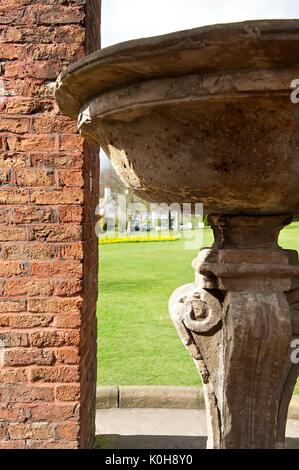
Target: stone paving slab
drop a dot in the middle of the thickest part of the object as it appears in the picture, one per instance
(154, 428)
(165, 396)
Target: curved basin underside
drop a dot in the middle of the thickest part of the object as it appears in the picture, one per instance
(197, 116)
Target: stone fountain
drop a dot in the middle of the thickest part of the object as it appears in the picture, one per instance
(205, 116)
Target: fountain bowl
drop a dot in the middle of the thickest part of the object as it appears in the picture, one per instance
(203, 115)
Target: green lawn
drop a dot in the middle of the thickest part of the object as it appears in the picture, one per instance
(137, 342)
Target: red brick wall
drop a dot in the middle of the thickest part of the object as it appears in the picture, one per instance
(49, 181)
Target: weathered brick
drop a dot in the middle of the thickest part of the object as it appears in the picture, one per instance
(54, 374)
(10, 305)
(31, 431)
(28, 287)
(55, 233)
(72, 143)
(57, 14)
(30, 321)
(27, 251)
(71, 178)
(65, 52)
(11, 233)
(31, 214)
(71, 251)
(62, 196)
(5, 177)
(12, 376)
(13, 160)
(47, 338)
(67, 392)
(14, 125)
(13, 196)
(70, 214)
(67, 321)
(27, 357)
(55, 305)
(12, 339)
(51, 160)
(66, 287)
(54, 412)
(67, 355)
(34, 177)
(12, 268)
(51, 123)
(32, 143)
(24, 105)
(67, 431)
(26, 394)
(52, 269)
(46, 69)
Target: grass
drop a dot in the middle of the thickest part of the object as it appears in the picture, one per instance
(138, 344)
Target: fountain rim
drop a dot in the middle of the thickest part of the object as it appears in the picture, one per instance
(108, 69)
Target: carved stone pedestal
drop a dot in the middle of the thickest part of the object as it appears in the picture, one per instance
(238, 320)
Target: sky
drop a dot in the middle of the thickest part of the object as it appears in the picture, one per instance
(130, 19)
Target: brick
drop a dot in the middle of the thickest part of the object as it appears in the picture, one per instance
(54, 412)
(54, 374)
(51, 269)
(5, 177)
(45, 69)
(67, 392)
(72, 143)
(27, 357)
(70, 214)
(11, 233)
(31, 431)
(27, 251)
(65, 52)
(32, 444)
(30, 321)
(34, 177)
(13, 339)
(67, 321)
(31, 143)
(4, 321)
(67, 355)
(11, 412)
(28, 287)
(31, 214)
(12, 15)
(67, 431)
(66, 287)
(71, 178)
(57, 161)
(54, 338)
(69, 34)
(62, 196)
(9, 306)
(72, 251)
(19, 444)
(23, 105)
(51, 123)
(26, 394)
(12, 160)
(12, 376)
(13, 51)
(12, 268)
(59, 15)
(13, 196)
(55, 305)
(4, 215)
(14, 125)
(55, 233)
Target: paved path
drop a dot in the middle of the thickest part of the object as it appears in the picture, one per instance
(122, 428)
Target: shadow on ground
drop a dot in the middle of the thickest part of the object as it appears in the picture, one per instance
(117, 441)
